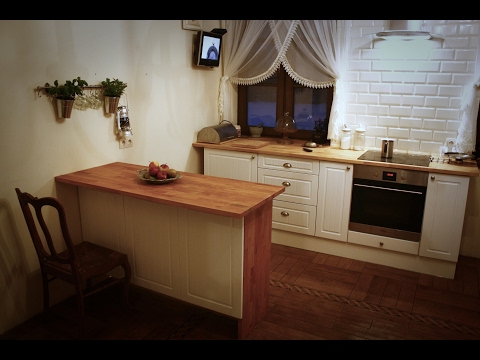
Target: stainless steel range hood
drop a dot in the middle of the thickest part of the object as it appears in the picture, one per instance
(406, 30)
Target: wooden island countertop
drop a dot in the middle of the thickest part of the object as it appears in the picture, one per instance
(210, 194)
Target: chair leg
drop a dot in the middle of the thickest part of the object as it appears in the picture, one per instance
(80, 308)
(126, 285)
(46, 296)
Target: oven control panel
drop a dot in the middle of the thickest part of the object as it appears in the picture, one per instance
(410, 177)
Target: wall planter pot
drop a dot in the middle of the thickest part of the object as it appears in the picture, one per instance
(64, 108)
(111, 104)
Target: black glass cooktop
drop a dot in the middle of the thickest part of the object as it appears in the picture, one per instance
(406, 159)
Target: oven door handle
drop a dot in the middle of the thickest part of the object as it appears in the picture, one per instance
(382, 188)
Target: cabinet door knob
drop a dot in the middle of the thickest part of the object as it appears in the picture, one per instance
(253, 157)
(432, 177)
(286, 183)
(287, 165)
(284, 213)
(381, 243)
(348, 167)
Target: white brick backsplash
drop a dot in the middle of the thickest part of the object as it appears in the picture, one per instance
(423, 112)
(413, 100)
(445, 90)
(462, 79)
(434, 124)
(392, 77)
(448, 114)
(391, 99)
(412, 94)
(439, 78)
(411, 123)
(398, 133)
(421, 134)
(370, 76)
(453, 66)
(403, 88)
(400, 111)
(453, 125)
(437, 101)
(411, 145)
(378, 110)
(442, 136)
(443, 54)
(415, 78)
(426, 89)
(377, 131)
(368, 98)
(388, 121)
(380, 88)
(356, 109)
(359, 65)
(465, 54)
(431, 147)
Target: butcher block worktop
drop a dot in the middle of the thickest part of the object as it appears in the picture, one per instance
(269, 146)
(214, 195)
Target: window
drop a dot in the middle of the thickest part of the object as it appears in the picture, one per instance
(269, 100)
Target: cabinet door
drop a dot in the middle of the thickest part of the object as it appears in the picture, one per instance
(230, 164)
(443, 216)
(334, 195)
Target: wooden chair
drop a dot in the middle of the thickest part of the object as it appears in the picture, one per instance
(76, 264)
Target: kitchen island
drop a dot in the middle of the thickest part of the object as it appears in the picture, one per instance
(201, 239)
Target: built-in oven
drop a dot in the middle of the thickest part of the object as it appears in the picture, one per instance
(388, 201)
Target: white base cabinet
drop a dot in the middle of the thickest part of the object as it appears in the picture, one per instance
(189, 255)
(230, 164)
(443, 216)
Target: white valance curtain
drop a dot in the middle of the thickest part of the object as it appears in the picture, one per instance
(313, 52)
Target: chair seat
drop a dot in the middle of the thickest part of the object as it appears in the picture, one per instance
(92, 259)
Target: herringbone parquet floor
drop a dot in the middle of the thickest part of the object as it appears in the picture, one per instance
(313, 296)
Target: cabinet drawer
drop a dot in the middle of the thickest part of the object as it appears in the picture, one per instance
(294, 217)
(381, 242)
(299, 188)
(289, 164)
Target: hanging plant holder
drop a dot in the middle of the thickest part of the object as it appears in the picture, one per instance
(111, 104)
(64, 108)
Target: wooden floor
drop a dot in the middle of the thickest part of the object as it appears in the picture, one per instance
(313, 296)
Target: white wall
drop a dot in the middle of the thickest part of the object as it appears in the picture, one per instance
(169, 101)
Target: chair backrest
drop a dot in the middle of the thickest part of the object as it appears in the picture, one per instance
(27, 202)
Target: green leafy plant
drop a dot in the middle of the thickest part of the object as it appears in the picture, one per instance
(69, 90)
(113, 88)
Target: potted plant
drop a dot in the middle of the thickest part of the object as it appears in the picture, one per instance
(256, 131)
(112, 91)
(65, 95)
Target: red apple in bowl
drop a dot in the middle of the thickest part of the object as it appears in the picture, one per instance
(161, 175)
(153, 168)
(164, 167)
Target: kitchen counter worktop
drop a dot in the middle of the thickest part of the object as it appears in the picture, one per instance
(327, 153)
(204, 193)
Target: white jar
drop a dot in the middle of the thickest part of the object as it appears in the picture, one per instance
(346, 139)
(359, 139)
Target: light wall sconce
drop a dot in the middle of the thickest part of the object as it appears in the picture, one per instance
(406, 30)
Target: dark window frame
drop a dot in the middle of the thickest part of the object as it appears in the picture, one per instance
(285, 100)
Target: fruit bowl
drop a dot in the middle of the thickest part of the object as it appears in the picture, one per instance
(141, 174)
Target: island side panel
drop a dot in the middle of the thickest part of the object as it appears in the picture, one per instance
(256, 268)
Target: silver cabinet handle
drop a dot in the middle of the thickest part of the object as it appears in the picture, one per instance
(287, 165)
(284, 213)
(253, 157)
(286, 183)
(432, 177)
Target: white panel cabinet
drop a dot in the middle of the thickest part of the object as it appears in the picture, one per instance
(443, 216)
(230, 164)
(334, 195)
(192, 256)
